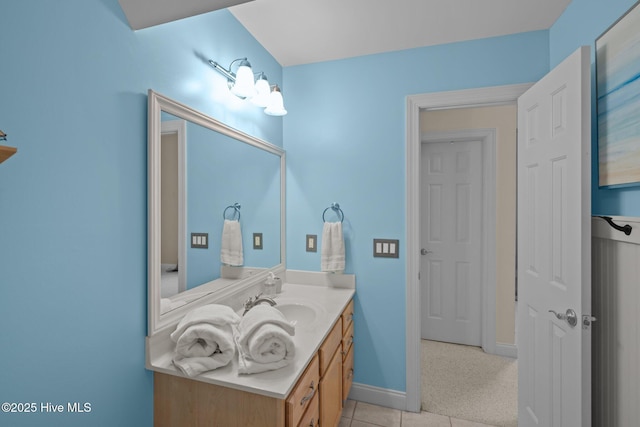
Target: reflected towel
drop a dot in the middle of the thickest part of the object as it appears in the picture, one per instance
(204, 339)
(231, 247)
(332, 258)
(166, 304)
(264, 340)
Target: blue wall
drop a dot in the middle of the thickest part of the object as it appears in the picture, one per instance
(582, 22)
(345, 142)
(73, 85)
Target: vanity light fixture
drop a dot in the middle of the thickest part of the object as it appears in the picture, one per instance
(260, 92)
(276, 103)
(3, 136)
(263, 90)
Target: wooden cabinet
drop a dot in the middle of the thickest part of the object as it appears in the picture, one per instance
(347, 316)
(179, 402)
(303, 393)
(331, 375)
(347, 350)
(317, 398)
(330, 345)
(311, 417)
(347, 373)
(331, 391)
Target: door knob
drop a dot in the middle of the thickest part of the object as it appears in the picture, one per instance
(423, 251)
(570, 316)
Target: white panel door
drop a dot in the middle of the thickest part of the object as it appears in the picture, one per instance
(452, 239)
(554, 247)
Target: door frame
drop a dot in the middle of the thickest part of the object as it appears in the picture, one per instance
(489, 96)
(179, 127)
(487, 138)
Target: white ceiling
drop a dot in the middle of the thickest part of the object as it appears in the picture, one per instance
(147, 13)
(306, 31)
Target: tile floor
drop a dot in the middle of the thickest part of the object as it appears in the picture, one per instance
(359, 414)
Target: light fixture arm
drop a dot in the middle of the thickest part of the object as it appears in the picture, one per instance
(227, 73)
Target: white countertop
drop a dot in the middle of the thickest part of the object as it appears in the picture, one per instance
(329, 303)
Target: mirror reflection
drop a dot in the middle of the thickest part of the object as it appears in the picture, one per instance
(209, 174)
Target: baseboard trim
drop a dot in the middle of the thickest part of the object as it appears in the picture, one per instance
(378, 396)
(507, 350)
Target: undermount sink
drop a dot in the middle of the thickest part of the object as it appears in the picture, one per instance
(298, 313)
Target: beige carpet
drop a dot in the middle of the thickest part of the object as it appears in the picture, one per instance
(464, 382)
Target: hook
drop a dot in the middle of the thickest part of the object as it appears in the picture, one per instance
(626, 229)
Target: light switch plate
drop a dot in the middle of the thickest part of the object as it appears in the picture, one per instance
(200, 240)
(312, 243)
(386, 248)
(257, 240)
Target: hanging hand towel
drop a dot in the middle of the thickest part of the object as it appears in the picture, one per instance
(332, 259)
(231, 248)
(204, 339)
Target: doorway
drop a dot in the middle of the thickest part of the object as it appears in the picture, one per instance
(173, 208)
(454, 198)
(463, 248)
(416, 104)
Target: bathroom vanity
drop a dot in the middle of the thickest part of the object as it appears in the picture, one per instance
(309, 391)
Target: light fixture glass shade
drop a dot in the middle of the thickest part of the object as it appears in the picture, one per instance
(263, 91)
(244, 86)
(276, 103)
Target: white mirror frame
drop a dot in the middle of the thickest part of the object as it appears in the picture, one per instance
(158, 103)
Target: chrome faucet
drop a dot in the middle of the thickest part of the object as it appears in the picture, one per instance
(253, 301)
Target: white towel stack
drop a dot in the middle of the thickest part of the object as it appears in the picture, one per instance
(231, 247)
(264, 340)
(204, 339)
(332, 257)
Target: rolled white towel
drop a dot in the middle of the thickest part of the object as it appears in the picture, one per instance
(204, 339)
(264, 340)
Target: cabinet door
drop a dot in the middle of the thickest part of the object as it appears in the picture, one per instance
(347, 316)
(347, 341)
(331, 392)
(312, 416)
(301, 397)
(329, 346)
(347, 374)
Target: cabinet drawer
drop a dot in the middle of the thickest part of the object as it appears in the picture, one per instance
(311, 417)
(347, 316)
(329, 346)
(347, 341)
(347, 374)
(303, 393)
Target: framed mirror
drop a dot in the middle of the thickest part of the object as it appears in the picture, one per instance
(205, 176)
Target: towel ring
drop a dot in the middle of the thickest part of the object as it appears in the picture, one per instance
(336, 208)
(236, 210)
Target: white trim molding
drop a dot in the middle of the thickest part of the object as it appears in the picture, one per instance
(506, 350)
(431, 101)
(378, 396)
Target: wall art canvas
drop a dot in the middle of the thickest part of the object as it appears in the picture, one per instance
(618, 101)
